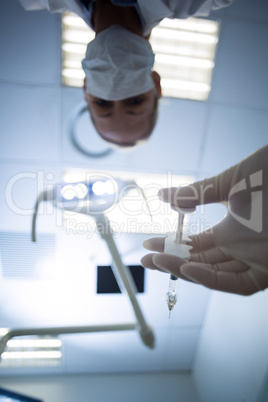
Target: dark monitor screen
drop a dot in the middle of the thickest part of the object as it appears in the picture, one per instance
(10, 396)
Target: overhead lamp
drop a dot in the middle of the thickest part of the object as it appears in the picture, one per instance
(38, 354)
(31, 351)
(46, 343)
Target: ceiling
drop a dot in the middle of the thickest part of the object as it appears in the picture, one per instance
(56, 284)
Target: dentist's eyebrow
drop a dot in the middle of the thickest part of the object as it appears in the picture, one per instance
(109, 114)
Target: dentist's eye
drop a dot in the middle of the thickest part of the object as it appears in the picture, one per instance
(137, 100)
(102, 102)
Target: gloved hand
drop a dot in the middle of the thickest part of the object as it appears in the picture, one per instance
(233, 255)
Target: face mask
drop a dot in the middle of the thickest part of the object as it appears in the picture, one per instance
(118, 64)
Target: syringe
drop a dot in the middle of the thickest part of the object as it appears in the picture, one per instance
(172, 295)
(175, 244)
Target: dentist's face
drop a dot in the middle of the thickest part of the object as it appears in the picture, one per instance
(127, 121)
(122, 122)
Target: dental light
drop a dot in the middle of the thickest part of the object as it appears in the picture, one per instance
(93, 197)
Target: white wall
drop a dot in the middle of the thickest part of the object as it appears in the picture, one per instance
(232, 358)
(107, 388)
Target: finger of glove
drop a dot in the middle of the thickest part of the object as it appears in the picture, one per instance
(217, 188)
(198, 193)
(169, 263)
(155, 244)
(232, 276)
(202, 242)
(212, 256)
(147, 262)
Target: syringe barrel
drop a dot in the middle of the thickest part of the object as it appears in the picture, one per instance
(172, 287)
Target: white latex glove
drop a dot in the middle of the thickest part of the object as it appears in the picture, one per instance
(233, 255)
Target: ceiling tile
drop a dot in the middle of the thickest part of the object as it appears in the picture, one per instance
(257, 10)
(29, 123)
(20, 185)
(180, 348)
(233, 133)
(240, 76)
(33, 51)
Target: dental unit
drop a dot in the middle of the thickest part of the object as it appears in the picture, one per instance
(94, 198)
